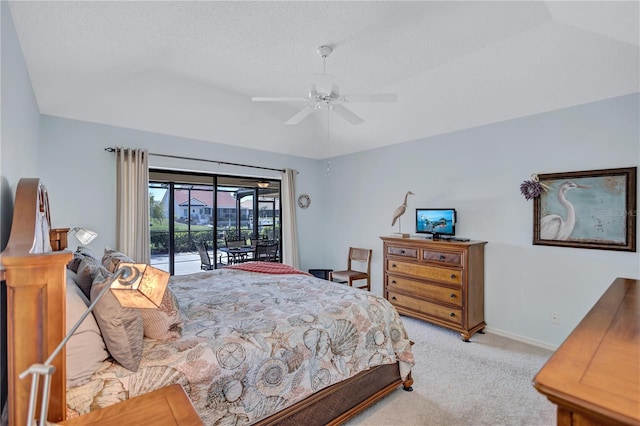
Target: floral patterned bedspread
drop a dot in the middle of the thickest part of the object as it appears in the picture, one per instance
(255, 343)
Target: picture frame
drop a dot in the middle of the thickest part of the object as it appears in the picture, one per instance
(593, 209)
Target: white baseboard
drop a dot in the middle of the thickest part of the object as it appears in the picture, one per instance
(521, 338)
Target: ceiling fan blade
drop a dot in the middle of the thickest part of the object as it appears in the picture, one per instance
(374, 97)
(281, 99)
(348, 115)
(301, 115)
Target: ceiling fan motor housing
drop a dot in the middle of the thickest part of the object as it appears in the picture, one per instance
(325, 94)
(324, 51)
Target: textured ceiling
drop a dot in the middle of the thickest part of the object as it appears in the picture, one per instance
(190, 68)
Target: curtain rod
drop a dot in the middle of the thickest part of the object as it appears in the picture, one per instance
(110, 149)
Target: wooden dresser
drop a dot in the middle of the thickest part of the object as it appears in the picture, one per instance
(437, 281)
(594, 376)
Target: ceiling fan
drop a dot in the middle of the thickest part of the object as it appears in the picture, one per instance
(324, 93)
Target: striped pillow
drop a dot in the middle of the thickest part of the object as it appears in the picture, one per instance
(164, 322)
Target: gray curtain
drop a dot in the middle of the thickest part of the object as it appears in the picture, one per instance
(132, 205)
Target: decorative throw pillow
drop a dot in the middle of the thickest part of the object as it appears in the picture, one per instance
(112, 258)
(85, 349)
(86, 252)
(75, 262)
(121, 327)
(81, 252)
(87, 272)
(164, 322)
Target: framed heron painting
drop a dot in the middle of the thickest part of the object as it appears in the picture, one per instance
(594, 209)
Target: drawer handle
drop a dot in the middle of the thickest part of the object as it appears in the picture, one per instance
(452, 295)
(401, 251)
(442, 257)
(393, 281)
(393, 265)
(393, 298)
(453, 276)
(452, 314)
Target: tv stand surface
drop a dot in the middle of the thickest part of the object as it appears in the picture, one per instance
(445, 238)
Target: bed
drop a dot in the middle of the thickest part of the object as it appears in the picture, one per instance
(269, 347)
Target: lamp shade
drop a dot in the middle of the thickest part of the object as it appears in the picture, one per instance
(144, 289)
(84, 235)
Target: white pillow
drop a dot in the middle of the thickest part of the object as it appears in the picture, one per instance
(85, 349)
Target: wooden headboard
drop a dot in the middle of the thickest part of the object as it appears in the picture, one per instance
(35, 283)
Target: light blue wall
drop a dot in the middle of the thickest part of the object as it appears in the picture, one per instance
(80, 176)
(478, 171)
(20, 120)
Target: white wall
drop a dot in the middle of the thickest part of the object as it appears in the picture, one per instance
(80, 175)
(478, 171)
(20, 120)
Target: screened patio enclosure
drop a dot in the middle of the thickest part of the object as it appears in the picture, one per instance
(189, 208)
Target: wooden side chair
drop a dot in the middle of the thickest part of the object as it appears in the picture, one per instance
(357, 257)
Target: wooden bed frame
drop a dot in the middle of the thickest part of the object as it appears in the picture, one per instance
(36, 324)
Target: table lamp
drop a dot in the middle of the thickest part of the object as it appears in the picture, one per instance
(134, 286)
(84, 235)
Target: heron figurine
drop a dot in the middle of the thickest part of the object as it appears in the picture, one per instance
(553, 226)
(400, 211)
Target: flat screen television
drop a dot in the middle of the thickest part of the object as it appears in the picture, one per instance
(437, 222)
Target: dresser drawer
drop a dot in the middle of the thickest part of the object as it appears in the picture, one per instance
(421, 289)
(441, 312)
(444, 257)
(403, 251)
(445, 275)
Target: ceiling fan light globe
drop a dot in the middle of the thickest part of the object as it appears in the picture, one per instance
(323, 84)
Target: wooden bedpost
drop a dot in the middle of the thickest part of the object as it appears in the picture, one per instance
(36, 291)
(35, 326)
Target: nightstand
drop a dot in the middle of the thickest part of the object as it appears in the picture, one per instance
(163, 407)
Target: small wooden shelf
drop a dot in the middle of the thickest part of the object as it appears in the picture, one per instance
(58, 238)
(164, 407)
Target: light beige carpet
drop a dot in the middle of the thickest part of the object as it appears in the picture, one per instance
(484, 382)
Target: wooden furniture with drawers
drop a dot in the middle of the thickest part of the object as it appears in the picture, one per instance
(437, 281)
(594, 376)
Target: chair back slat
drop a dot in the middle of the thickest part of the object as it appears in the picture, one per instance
(267, 251)
(231, 243)
(360, 255)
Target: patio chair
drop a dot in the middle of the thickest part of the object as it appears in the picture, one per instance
(236, 244)
(267, 251)
(205, 260)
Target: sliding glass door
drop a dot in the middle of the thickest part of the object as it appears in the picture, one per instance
(195, 212)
